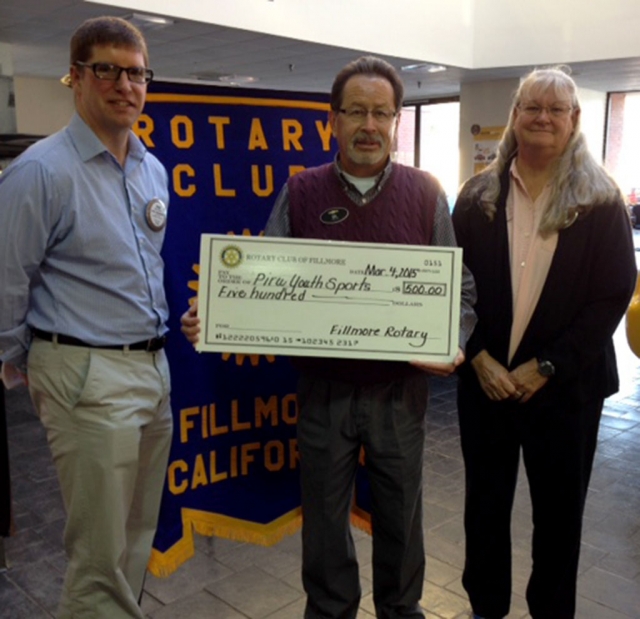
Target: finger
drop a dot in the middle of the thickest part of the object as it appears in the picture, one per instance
(190, 329)
(440, 373)
(525, 398)
(502, 393)
(490, 392)
(436, 368)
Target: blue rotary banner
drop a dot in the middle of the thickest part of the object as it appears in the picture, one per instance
(233, 468)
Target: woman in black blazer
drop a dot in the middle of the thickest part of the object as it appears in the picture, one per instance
(547, 237)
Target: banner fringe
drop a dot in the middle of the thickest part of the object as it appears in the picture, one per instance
(240, 534)
(361, 520)
(163, 564)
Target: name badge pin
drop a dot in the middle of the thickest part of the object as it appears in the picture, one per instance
(334, 215)
(156, 214)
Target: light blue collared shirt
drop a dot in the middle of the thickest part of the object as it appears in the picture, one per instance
(77, 254)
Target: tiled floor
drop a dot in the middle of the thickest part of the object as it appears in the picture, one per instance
(229, 580)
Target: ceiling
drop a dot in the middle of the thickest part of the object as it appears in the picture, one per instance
(39, 31)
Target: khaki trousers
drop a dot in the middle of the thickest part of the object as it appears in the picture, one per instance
(108, 421)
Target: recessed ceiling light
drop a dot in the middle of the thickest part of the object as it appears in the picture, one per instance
(237, 79)
(423, 67)
(224, 78)
(149, 22)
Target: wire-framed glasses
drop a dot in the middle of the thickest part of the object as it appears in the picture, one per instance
(533, 109)
(358, 115)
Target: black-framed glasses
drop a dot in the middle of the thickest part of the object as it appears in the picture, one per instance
(359, 115)
(112, 72)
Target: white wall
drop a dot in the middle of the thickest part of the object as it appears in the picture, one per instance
(465, 33)
(42, 105)
(509, 33)
(430, 30)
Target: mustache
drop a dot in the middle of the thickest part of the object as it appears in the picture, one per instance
(364, 137)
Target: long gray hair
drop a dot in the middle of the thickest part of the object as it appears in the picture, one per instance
(578, 183)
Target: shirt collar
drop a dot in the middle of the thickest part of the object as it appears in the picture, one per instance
(515, 174)
(353, 191)
(89, 145)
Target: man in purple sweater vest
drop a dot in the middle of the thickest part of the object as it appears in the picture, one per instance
(343, 403)
(346, 404)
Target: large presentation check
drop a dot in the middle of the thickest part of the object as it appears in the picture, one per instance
(329, 299)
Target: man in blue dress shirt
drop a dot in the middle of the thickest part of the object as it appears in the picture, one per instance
(83, 313)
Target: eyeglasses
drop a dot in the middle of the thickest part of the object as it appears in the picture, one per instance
(358, 115)
(557, 111)
(112, 72)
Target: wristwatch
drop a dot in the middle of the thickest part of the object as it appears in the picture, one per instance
(546, 368)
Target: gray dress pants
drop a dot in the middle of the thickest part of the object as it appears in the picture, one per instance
(336, 419)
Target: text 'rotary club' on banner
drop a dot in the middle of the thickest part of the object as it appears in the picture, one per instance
(221, 135)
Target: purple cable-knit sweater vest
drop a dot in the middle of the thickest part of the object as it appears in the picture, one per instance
(402, 212)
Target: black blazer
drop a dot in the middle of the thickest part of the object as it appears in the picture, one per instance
(587, 291)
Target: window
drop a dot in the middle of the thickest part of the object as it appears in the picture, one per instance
(623, 144)
(428, 139)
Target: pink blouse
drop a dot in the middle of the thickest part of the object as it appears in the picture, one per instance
(530, 254)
